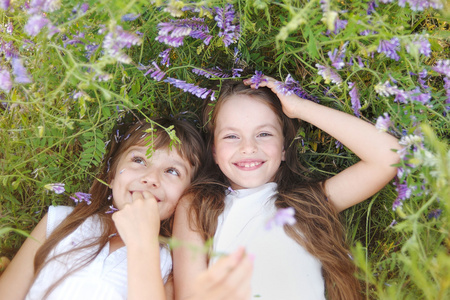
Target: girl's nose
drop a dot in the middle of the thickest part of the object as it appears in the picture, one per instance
(151, 179)
(248, 146)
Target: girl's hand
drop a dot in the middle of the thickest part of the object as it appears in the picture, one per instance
(229, 278)
(138, 221)
(291, 104)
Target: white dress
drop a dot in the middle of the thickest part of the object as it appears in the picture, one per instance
(283, 270)
(104, 278)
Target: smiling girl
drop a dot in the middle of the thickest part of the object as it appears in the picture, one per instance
(254, 171)
(79, 252)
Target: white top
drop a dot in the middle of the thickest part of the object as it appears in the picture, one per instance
(104, 278)
(283, 269)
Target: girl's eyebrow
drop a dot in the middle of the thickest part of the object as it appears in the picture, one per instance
(232, 128)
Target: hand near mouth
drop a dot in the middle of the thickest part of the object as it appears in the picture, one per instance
(138, 222)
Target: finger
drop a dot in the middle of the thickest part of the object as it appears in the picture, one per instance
(240, 278)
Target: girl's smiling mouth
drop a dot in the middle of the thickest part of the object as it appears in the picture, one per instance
(248, 165)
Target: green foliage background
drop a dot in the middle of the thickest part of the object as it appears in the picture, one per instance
(48, 136)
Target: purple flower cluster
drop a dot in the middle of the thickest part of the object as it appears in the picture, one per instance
(35, 24)
(443, 67)
(225, 18)
(401, 96)
(257, 78)
(111, 209)
(20, 73)
(390, 48)
(418, 5)
(58, 188)
(118, 39)
(80, 197)
(191, 88)
(282, 217)
(173, 33)
(155, 72)
(447, 92)
(5, 80)
(383, 122)
(329, 74)
(209, 73)
(337, 57)
(165, 57)
(422, 45)
(4, 4)
(291, 86)
(354, 97)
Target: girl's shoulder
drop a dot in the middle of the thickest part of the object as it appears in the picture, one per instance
(56, 214)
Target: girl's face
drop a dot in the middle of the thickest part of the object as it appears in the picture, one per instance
(248, 142)
(165, 175)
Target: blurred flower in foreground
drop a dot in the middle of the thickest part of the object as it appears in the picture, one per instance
(35, 24)
(422, 45)
(5, 80)
(443, 67)
(58, 188)
(282, 217)
(19, 71)
(111, 209)
(118, 39)
(4, 4)
(383, 122)
(435, 213)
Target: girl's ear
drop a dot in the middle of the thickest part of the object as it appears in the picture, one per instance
(283, 155)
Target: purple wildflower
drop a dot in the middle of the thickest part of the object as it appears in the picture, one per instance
(209, 73)
(422, 45)
(354, 96)
(447, 91)
(435, 213)
(4, 4)
(111, 209)
(236, 72)
(79, 197)
(337, 57)
(155, 72)
(19, 71)
(190, 88)
(383, 122)
(173, 33)
(367, 32)
(420, 5)
(417, 95)
(257, 78)
(171, 41)
(130, 17)
(393, 223)
(198, 34)
(9, 28)
(118, 39)
(328, 74)
(390, 48)
(338, 26)
(385, 89)
(404, 192)
(422, 79)
(282, 217)
(290, 86)
(225, 17)
(8, 49)
(38, 6)
(165, 57)
(371, 6)
(35, 24)
(443, 67)
(397, 203)
(5, 80)
(58, 188)
(338, 145)
(90, 50)
(76, 39)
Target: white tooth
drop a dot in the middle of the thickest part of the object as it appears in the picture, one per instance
(252, 164)
(246, 165)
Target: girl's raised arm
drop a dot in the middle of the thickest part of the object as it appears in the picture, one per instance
(374, 148)
(18, 276)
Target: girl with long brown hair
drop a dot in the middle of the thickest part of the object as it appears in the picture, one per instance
(253, 174)
(78, 252)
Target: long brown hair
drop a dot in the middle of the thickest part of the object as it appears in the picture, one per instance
(318, 228)
(191, 148)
